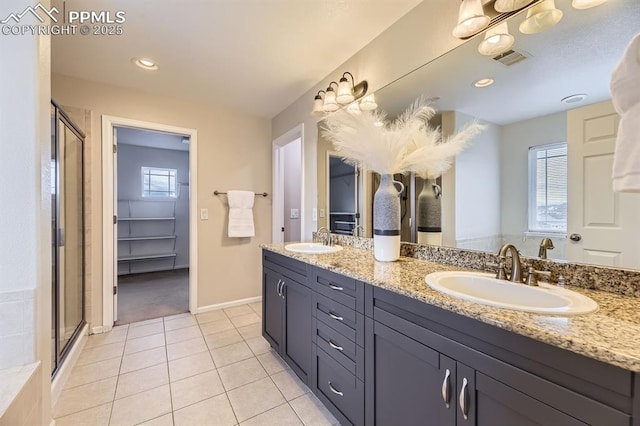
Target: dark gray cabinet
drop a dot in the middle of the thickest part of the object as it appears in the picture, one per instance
(286, 311)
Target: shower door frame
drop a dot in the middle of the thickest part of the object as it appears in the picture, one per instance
(60, 355)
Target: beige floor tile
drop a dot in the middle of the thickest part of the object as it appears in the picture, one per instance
(272, 362)
(86, 396)
(144, 343)
(241, 373)
(256, 307)
(179, 322)
(100, 353)
(186, 348)
(238, 310)
(282, 415)
(258, 345)
(178, 316)
(182, 334)
(117, 334)
(142, 380)
(224, 338)
(145, 322)
(289, 384)
(139, 360)
(252, 330)
(195, 389)
(229, 354)
(141, 406)
(83, 374)
(145, 330)
(211, 316)
(255, 398)
(242, 320)
(216, 326)
(190, 366)
(96, 416)
(214, 411)
(312, 412)
(166, 420)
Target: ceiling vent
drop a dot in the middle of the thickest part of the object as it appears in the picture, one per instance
(510, 57)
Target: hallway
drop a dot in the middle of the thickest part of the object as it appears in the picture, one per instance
(210, 369)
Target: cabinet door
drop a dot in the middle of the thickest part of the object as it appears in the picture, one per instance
(493, 403)
(406, 382)
(296, 349)
(272, 314)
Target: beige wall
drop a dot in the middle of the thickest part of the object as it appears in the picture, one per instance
(420, 36)
(234, 152)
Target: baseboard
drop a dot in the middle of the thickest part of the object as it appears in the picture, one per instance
(99, 329)
(231, 304)
(65, 370)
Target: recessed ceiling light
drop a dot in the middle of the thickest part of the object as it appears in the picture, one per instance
(574, 99)
(483, 82)
(145, 63)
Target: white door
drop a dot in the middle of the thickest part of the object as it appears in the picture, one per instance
(115, 224)
(603, 226)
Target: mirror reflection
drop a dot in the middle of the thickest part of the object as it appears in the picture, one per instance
(539, 176)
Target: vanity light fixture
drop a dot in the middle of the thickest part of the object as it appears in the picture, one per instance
(541, 17)
(471, 19)
(145, 63)
(586, 4)
(506, 6)
(368, 103)
(497, 40)
(346, 93)
(354, 108)
(483, 82)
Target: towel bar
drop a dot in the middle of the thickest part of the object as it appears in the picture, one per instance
(263, 194)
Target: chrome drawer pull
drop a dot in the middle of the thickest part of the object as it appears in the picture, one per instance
(336, 347)
(464, 396)
(335, 287)
(446, 391)
(335, 317)
(334, 390)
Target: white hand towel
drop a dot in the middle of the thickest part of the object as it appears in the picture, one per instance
(240, 214)
(625, 92)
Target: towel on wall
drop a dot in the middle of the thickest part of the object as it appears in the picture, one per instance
(625, 93)
(240, 214)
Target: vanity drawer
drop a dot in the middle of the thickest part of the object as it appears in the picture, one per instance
(343, 350)
(337, 287)
(340, 391)
(346, 321)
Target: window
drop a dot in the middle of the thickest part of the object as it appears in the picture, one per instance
(159, 183)
(548, 188)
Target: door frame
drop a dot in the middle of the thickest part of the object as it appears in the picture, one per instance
(108, 251)
(277, 208)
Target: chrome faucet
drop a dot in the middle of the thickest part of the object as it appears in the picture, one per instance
(355, 232)
(516, 267)
(545, 244)
(327, 238)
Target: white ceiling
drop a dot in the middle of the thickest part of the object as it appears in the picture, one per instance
(151, 139)
(256, 56)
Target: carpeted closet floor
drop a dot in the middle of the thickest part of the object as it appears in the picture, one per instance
(152, 295)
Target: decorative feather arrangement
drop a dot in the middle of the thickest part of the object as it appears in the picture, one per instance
(408, 144)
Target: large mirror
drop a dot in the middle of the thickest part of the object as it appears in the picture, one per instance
(542, 168)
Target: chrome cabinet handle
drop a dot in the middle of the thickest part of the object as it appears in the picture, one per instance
(334, 390)
(334, 346)
(335, 317)
(335, 287)
(446, 388)
(278, 288)
(282, 289)
(464, 399)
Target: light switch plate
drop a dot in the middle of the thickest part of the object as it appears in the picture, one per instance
(314, 214)
(204, 214)
(295, 214)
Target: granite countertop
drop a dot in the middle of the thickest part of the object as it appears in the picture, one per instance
(610, 335)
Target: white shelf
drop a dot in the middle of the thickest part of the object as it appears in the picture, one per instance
(155, 237)
(146, 257)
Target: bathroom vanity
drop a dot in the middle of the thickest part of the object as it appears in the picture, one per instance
(379, 347)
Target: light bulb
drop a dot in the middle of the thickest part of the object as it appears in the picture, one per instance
(330, 103)
(368, 103)
(345, 92)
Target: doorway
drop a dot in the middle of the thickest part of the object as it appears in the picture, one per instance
(149, 229)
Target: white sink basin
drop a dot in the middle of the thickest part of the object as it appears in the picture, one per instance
(484, 288)
(312, 248)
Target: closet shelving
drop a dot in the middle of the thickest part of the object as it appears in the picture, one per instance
(131, 236)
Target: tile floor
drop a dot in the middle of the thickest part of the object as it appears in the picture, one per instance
(210, 369)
